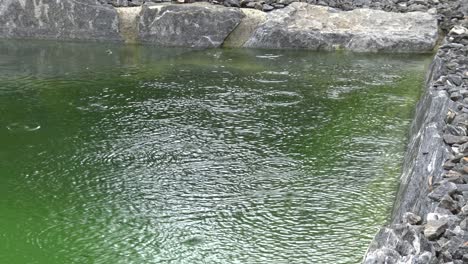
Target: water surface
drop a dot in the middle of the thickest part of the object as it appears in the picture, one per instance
(135, 154)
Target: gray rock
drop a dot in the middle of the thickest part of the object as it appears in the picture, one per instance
(119, 3)
(448, 203)
(464, 224)
(448, 165)
(461, 250)
(456, 130)
(443, 211)
(451, 139)
(453, 173)
(462, 188)
(135, 3)
(450, 117)
(278, 6)
(301, 25)
(463, 148)
(435, 229)
(382, 256)
(464, 92)
(284, 2)
(452, 245)
(464, 210)
(267, 7)
(425, 257)
(233, 3)
(452, 220)
(203, 25)
(455, 96)
(465, 258)
(412, 219)
(61, 20)
(446, 257)
(455, 79)
(417, 7)
(460, 119)
(445, 188)
(251, 4)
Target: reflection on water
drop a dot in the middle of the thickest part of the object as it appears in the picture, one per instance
(149, 155)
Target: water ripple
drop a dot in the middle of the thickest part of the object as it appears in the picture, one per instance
(219, 156)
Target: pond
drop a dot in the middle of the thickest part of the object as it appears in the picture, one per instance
(136, 154)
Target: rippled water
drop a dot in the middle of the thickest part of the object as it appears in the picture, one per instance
(127, 154)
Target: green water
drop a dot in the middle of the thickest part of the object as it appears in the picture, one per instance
(133, 154)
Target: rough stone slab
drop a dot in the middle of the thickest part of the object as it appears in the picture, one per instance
(58, 19)
(306, 26)
(197, 25)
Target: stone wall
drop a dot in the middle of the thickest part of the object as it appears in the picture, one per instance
(430, 221)
(204, 25)
(449, 12)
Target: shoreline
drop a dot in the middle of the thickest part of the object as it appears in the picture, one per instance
(429, 222)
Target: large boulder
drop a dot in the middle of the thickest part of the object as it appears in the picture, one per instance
(199, 25)
(58, 19)
(301, 25)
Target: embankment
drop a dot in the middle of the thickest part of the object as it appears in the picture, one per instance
(430, 218)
